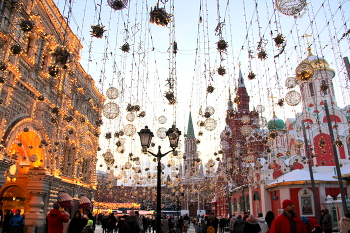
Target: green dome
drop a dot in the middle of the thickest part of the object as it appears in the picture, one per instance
(275, 124)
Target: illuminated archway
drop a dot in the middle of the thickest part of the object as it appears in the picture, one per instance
(13, 198)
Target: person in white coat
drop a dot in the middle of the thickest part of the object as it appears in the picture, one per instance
(263, 225)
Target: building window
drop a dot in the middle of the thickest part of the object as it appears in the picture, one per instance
(306, 200)
(311, 87)
(324, 82)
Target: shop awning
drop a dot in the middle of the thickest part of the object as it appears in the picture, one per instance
(65, 200)
(85, 203)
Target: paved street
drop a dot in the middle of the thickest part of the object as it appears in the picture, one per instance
(99, 229)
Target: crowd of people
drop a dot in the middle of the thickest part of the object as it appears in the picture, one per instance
(59, 221)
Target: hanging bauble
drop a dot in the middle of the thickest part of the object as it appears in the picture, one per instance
(293, 98)
(137, 108)
(125, 47)
(221, 71)
(159, 16)
(245, 119)
(97, 31)
(130, 108)
(108, 135)
(210, 89)
(110, 110)
(112, 93)
(207, 114)
(162, 119)
(299, 144)
(338, 143)
(129, 130)
(170, 97)
(108, 157)
(16, 49)
(321, 143)
(118, 4)
(290, 7)
(210, 109)
(41, 98)
(210, 124)
(291, 82)
(130, 117)
(127, 165)
(280, 102)
(161, 132)
(3, 66)
(222, 45)
(260, 108)
(33, 158)
(324, 86)
(121, 149)
(251, 75)
(246, 130)
(142, 114)
(53, 70)
(237, 100)
(279, 40)
(262, 55)
(26, 25)
(61, 55)
(304, 72)
(272, 135)
(231, 113)
(200, 123)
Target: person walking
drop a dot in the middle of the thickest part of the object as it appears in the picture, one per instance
(287, 222)
(251, 225)
(269, 217)
(77, 223)
(327, 222)
(89, 227)
(131, 224)
(238, 225)
(6, 222)
(344, 224)
(55, 219)
(232, 222)
(262, 223)
(111, 221)
(309, 223)
(16, 223)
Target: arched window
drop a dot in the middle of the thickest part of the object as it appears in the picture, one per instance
(324, 82)
(306, 200)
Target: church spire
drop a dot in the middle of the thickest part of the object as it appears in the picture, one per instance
(190, 130)
(240, 79)
(242, 98)
(229, 103)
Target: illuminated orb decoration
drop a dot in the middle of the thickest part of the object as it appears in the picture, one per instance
(108, 157)
(117, 4)
(290, 7)
(130, 116)
(221, 71)
(221, 45)
(210, 109)
(210, 124)
(111, 110)
(200, 123)
(16, 49)
(129, 130)
(299, 144)
(304, 72)
(26, 25)
(97, 31)
(161, 132)
(127, 165)
(171, 162)
(112, 93)
(121, 149)
(291, 82)
(245, 119)
(246, 130)
(159, 16)
(211, 163)
(33, 158)
(162, 119)
(61, 55)
(250, 159)
(260, 108)
(293, 98)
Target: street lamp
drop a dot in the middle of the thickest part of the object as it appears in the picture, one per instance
(146, 137)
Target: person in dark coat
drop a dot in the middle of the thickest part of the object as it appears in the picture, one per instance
(103, 222)
(111, 221)
(180, 223)
(288, 221)
(327, 222)
(77, 223)
(251, 225)
(131, 224)
(222, 224)
(6, 222)
(238, 225)
(269, 217)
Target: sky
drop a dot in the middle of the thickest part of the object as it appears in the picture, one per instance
(247, 26)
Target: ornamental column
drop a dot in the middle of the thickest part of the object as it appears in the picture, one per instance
(38, 187)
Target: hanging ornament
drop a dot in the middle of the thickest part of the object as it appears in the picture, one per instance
(293, 98)
(338, 143)
(210, 89)
(3, 66)
(260, 108)
(280, 102)
(237, 100)
(262, 55)
(221, 71)
(251, 75)
(26, 25)
(111, 110)
(231, 113)
(159, 16)
(221, 45)
(130, 117)
(321, 143)
(290, 7)
(170, 97)
(61, 55)
(200, 123)
(246, 130)
(291, 82)
(161, 132)
(142, 114)
(162, 119)
(279, 40)
(16, 49)
(304, 72)
(108, 135)
(245, 119)
(324, 86)
(118, 4)
(53, 71)
(210, 109)
(97, 31)
(129, 130)
(112, 93)
(299, 144)
(210, 124)
(125, 47)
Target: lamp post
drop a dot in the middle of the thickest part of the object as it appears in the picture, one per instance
(146, 137)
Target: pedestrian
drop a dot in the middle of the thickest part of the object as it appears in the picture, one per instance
(269, 217)
(185, 226)
(238, 225)
(16, 223)
(103, 222)
(139, 221)
(55, 219)
(287, 222)
(131, 224)
(344, 224)
(327, 222)
(251, 225)
(6, 222)
(309, 223)
(77, 223)
(232, 222)
(222, 223)
(111, 221)
(89, 227)
(179, 225)
(66, 224)
(262, 223)
(213, 221)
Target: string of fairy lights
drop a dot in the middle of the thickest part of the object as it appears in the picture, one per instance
(148, 70)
